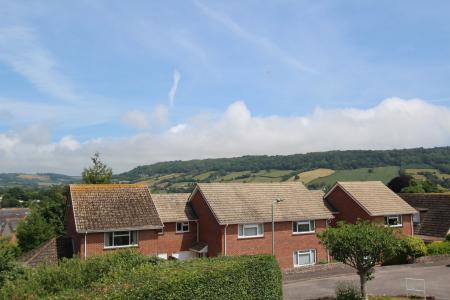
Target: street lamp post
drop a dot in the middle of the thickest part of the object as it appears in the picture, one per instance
(276, 201)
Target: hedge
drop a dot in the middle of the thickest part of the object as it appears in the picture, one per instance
(129, 275)
(436, 248)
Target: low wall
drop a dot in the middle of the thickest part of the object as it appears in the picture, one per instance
(432, 258)
(315, 271)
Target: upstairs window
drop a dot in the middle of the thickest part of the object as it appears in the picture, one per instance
(119, 239)
(393, 221)
(182, 227)
(306, 226)
(251, 230)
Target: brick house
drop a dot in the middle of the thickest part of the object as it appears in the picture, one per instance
(103, 217)
(9, 219)
(432, 223)
(370, 200)
(236, 219)
(179, 234)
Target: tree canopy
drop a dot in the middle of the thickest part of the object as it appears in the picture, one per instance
(98, 173)
(361, 246)
(33, 231)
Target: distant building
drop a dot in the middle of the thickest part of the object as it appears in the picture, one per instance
(9, 219)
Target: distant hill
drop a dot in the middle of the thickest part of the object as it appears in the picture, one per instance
(318, 170)
(39, 179)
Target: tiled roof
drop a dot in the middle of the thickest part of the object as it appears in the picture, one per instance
(320, 196)
(174, 207)
(10, 217)
(49, 252)
(435, 220)
(239, 203)
(376, 198)
(104, 207)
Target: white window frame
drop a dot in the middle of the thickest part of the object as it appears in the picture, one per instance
(312, 257)
(259, 230)
(184, 227)
(399, 220)
(303, 222)
(114, 234)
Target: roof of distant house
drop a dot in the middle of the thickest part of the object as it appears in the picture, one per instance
(435, 213)
(174, 207)
(10, 217)
(374, 197)
(108, 207)
(240, 203)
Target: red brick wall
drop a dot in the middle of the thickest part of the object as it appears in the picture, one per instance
(286, 243)
(148, 243)
(350, 211)
(210, 231)
(171, 242)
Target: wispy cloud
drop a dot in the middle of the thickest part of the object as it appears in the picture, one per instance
(258, 40)
(173, 89)
(21, 50)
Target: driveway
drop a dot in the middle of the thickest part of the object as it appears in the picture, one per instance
(388, 280)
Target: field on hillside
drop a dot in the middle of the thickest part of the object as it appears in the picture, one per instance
(309, 176)
(384, 174)
(418, 173)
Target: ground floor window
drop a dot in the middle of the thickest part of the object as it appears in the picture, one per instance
(393, 221)
(304, 257)
(121, 239)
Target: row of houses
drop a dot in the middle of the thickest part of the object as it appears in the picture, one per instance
(226, 219)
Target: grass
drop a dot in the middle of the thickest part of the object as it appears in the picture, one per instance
(384, 174)
(309, 176)
(415, 173)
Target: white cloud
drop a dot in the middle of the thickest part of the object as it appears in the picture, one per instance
(69, 143)
(393, 123)
(173, 89)
(21, 50)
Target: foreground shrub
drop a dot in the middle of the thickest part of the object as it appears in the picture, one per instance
(71, 274)
(436, 248)
(410, 248)
(130, 275)
(347, 291)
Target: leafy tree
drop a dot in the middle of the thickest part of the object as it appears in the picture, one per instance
(8, 252)
(361, 246)
(98, 173)
(52, 207)
(33, 231)
(398, 183)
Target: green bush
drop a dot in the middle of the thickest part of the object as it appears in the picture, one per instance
(409, 249)
(127, 275)
(347, 291)
(447, 238)
(436, 248)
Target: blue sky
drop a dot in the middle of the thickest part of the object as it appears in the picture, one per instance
(147, 81)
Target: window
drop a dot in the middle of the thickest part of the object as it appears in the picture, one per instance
(393, 221)
(304, 258)
(251, 230)
(303, 226)
(416, 218)
(182, 227)
(119, 239)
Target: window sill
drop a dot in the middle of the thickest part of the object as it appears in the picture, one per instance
(250, 237)
(303, 233)
(302, 266)
(120, 247)
(394, 226)
(181, 232)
